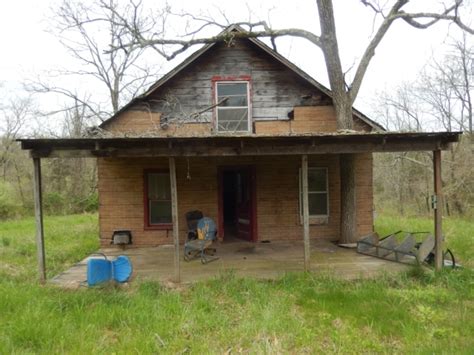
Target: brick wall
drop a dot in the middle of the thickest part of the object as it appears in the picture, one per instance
(308, 119)
(121, 195)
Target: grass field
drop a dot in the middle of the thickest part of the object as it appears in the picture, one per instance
(418, 312)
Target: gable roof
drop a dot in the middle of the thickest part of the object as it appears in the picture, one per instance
(305, 76)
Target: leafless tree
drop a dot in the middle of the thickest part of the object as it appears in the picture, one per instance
(400, 109)
(446, 87)
(14, 115)
(86, 31)
(439, 97)
(344, 93)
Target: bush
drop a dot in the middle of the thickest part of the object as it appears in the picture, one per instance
(91, 203)
(54, 203)
(10, 206)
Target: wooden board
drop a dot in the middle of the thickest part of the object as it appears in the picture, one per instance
(406, 246)
(388, 245)
(425, 248)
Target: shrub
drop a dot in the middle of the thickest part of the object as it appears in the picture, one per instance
(9, 203)
(91, 203)
(53, 202)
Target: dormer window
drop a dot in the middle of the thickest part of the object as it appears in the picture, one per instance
(232, 110)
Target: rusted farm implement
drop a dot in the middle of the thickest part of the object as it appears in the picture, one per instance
(407, 250)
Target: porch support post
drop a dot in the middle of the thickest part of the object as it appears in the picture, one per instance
(174, 214)
(304, 183)
(438, 210)
(39, 219)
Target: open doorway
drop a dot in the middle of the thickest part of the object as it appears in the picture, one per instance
(237, 203)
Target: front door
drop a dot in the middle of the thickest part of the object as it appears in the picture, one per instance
(237, 203)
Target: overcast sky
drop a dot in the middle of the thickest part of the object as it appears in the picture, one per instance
(29, 50)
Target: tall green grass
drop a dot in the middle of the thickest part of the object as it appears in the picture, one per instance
(298, 313)
(416, 312)
(68, 239)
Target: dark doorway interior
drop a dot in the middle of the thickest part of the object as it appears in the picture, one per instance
(230, 204)
(237, 194)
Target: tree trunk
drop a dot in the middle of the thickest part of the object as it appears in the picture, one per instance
(347, 177)
(348, 199)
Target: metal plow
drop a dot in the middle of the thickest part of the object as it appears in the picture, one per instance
(406, 249)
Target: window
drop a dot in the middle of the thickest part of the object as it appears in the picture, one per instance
(318, 195)
(232, 112)
(157, 199)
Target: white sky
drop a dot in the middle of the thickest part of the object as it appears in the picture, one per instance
(29, 51)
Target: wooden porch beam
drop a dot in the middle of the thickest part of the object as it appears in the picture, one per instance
(304, 178)
(174, 214)
(190, 150)
(39, 219)
(438, 210)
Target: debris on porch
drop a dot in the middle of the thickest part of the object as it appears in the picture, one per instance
(245, 259)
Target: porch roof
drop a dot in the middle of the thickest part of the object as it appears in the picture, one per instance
(239, 145)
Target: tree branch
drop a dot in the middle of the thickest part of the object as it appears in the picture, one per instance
(370, 50)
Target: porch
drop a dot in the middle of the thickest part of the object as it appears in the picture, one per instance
(245, 259)
(298, 148)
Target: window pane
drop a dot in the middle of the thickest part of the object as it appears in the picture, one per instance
(160, 212)
(317, 180)
(226, 89)
(318, 204)
(232, 101)
(159, 186)
(232, 119)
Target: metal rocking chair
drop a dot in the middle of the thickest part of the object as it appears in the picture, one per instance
(201, 233)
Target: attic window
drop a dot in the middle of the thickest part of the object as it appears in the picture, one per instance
(232, 111)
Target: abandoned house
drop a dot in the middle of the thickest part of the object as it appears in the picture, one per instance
(231, 131)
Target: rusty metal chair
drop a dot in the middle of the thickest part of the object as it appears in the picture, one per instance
(201, 235)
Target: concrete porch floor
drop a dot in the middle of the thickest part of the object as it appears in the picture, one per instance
(259, 260)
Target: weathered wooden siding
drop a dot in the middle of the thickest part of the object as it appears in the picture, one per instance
(274, 88)
(275, 92)
(121, 195)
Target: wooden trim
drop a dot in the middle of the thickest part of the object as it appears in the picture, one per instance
(438, 211)
(39, 219)
(253, 186)
(304, 178)
(174, 214)
(146, 209)
(161, 226)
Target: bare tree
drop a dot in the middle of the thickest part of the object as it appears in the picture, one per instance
(14, 115)
(440, 97)
(401, 110)
(86, 31)
(343, 93)
(453, 77)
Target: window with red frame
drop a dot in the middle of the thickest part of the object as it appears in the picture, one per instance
(157, 199)
(232, 112)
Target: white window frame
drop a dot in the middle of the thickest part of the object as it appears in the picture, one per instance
(249, 106)
(314, 192)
